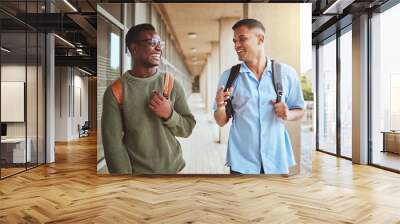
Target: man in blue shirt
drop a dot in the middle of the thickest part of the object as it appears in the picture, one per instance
(258, 141)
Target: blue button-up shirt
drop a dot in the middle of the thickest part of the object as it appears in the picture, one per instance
(257, 136)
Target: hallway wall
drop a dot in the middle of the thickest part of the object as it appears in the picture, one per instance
(71, 102)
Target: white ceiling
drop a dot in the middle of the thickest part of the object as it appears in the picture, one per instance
(203, 19)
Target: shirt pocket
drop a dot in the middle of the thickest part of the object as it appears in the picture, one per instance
(239, 103)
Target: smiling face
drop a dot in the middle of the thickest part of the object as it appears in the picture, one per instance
(248, 43)
(147, 50)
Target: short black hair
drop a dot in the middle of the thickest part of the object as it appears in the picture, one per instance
(249, 23)
(133, 33)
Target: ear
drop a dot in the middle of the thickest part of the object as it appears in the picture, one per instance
(132, 49)
(260, 38)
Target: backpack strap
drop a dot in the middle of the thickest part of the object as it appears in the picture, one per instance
(232, 76)
(168, 84)
(277, 80)
(116, 88)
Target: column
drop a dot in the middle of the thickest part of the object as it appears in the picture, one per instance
(360, 90)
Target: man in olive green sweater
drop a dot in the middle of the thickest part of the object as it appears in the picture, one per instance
(139, 134)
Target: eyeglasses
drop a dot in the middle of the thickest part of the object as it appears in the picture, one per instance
(154, 42)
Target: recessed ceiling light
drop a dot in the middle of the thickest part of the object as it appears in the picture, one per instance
(84, 71)
(5, 50)
(70, 5)
(64, 40)
(193, 49)
(192, 35)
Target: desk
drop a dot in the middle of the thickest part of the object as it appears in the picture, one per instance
(391, 141)
(13, 150)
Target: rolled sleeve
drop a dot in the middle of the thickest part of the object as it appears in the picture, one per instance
(295, 98)
(221, 83)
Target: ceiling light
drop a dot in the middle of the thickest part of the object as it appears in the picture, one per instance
(5, 50)
(192, 35)
(195, 63)
(86, 72)
(337, 7)
(70, 5)
(194, 58)
(43, 7)
(193, 49)
(65, 41)
(78, 50)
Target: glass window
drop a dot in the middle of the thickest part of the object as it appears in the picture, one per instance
(346, 94)
(41, 107)
(22, 91)
(108, 70)
(327, 96)
(115, 53)
(385, 84)
(31, 97)
(14, 153)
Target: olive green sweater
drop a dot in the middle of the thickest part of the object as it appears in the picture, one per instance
(137, 141)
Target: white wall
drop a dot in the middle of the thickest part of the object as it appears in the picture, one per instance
(17, 73)
(33, 126)
(67, 115)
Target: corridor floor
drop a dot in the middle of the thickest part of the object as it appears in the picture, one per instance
(201, 151)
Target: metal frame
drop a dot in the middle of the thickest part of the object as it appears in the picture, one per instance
(109, 17)
(317, 95)
(339, 33)
(338, 153)
(123, 30)
(338, 98)
(37, 164)
(121, 26)
(369, 97)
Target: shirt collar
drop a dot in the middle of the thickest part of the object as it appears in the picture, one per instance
(245, 69)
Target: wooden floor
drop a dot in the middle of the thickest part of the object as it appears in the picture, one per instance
(387, 159)
(10, 171)
(70, 191)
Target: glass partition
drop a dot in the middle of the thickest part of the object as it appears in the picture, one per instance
(327, 97)
(385, 89)
(346, 94)
(22, 77)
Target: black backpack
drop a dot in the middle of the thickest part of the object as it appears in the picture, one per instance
(276, 79)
